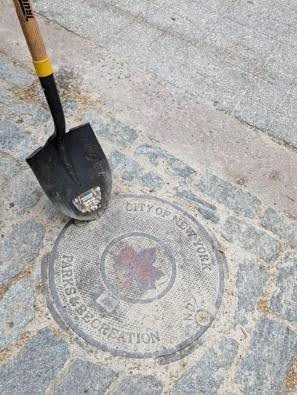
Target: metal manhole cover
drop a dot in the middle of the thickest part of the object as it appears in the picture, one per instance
(143, 280)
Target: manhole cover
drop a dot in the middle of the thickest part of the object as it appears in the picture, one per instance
(143, 280)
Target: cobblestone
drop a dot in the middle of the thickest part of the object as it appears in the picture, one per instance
(263, 368)
(14, 140)
(251, 279)
(152, 180)
(19, 247)
(242, 61)
(282, 226)
(207, 210)
(85, 377)
(128, 168)
(24, 192)
(8, 168)
(31, 371)
(230, 196)
(251, 239)
(209, 373)
(14, 74)
(157, 155)
(110, 128)
(284, 298)
(16, 311)
(140, 385)
(23, 110)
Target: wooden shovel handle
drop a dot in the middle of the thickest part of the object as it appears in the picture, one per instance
(33, 37)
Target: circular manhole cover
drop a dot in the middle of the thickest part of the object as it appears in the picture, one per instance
(143, 280)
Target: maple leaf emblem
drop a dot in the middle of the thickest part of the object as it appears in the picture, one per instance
(138, 267)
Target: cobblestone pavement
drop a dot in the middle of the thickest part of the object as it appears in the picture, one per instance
(193, 101)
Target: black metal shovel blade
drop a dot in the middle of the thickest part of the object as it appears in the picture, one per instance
(74, 173)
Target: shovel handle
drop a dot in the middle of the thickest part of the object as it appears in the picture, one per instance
(41, 63)
(33, 37)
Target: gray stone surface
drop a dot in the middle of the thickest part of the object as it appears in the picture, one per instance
(8, 168)
(251, 239)
(140, 385)
(14, 74)
(19, 247)
(238, 55)
(263, 369)
(14, 108)
(16, 311)
(31, 371)
(281, 225)
(210, 371)
(110, 128)
(284, 297)
(152, 180)
(129, 170)
(14, 139)
(251, 279)
(227, 194)
(24, 192)
(157, 156)
(84, 377)
(206, 209)
(156, 74)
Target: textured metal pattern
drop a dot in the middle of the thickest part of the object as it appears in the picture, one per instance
(143, 280)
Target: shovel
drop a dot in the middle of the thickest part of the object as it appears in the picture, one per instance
(71, 167)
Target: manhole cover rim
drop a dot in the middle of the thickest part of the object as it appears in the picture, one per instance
(58, 309)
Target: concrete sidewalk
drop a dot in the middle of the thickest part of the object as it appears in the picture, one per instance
(194, 102)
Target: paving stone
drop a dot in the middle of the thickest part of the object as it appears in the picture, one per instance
(250, 282)
(263, 368)
(282, 226)
(140, 385)
(24, 192)
(284, 298)
(20, 110)
(14, 139)
(110, 128)
(85, 377)
(15, 74)
(152, 180)
(19, 247)
(8, 167)
(251, 239)
(129, 168)
(206, 209)
(31, 371)
(16, 310)
(227, 194)
(210, 371)
(70, 107)
(157, 155)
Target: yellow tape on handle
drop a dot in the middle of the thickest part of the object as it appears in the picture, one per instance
(43, 67)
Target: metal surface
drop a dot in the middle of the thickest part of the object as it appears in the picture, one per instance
(72, 169)
(143, 280)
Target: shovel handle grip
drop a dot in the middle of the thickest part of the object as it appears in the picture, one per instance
(33, 37)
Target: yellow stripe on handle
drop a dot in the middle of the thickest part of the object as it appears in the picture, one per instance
(43, 67)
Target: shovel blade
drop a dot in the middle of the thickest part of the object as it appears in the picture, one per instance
(74, 173)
